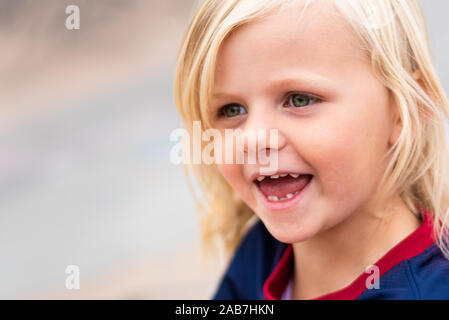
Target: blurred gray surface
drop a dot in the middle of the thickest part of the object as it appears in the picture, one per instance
(436, 12)
(91, 186)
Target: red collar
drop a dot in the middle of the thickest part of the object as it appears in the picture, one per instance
(411, 246)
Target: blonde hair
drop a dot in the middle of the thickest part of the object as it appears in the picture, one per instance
(394, 34)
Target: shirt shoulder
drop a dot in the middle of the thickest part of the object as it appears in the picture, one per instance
(429, 271)
(254, 259)
(423, 277)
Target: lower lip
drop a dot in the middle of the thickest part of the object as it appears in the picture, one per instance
(286, 204)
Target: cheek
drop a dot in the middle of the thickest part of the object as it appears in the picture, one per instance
(347, 153)
(234, 176)
(229, 172)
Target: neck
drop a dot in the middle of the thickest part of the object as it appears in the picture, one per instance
(334, 258)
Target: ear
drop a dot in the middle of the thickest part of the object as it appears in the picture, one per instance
(417, 75)
(424, 113)
(397, 124)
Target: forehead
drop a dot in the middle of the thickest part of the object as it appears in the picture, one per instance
(320, 41)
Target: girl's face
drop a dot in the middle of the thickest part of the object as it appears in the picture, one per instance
(310, 80)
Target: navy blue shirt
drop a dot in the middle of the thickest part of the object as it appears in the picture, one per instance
(414, 269)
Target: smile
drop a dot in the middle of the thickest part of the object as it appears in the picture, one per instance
(281, 191)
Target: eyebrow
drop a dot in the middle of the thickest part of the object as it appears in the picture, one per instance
(310, 81)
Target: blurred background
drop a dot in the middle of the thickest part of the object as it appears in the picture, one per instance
(85, 176)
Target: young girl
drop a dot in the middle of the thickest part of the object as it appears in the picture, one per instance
(358, 205)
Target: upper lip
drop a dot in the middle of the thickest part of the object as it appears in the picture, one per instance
(255, 175)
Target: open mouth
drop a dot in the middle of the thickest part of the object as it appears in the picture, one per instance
(282, 187)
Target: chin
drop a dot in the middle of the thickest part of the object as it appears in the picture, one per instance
(290, 234)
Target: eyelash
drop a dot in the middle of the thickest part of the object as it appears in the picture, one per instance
(315, 99)
(312, 97)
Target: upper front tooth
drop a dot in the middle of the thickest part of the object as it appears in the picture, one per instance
(275, 176)
(294, 175)
(283, 175)
(260, 178)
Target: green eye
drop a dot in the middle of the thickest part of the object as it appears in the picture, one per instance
(300, 100)
(232, 110)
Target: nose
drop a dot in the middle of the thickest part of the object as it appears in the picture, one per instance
(262, 134)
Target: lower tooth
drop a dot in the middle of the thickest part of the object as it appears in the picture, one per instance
(288, 196)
